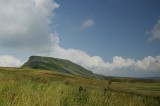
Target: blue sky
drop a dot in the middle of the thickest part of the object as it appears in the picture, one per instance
(120, 27)
(109, 37)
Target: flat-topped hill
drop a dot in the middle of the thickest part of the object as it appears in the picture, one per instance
(55, 64)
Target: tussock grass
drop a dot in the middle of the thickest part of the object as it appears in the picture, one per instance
(20, 87)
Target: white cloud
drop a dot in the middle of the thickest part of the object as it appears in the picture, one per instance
(98, 65)
(24, 24)
(9, 61)
(155, 32)
(87, 24)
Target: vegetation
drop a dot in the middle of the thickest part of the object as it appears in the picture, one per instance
(30, 87)
(61, 65)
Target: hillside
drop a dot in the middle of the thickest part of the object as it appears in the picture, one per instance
(55, 64)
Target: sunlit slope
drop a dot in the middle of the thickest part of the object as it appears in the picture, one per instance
(61, 65)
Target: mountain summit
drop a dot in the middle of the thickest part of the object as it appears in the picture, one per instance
(55, 64)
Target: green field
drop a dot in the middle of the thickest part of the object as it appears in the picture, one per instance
(28, 87)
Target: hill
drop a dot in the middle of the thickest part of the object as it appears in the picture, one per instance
(153, 78)
(55, 64)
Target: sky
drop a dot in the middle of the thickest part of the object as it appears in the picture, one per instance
(109, 37)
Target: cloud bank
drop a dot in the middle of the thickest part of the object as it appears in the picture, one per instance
(118, 66)
(9, 61)
(25, 25)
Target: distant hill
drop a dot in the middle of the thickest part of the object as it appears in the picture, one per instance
(153, 78)
(55, 64)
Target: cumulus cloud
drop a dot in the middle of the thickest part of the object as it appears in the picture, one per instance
(24, 24)
(155, 32)
(9, 61)
(118, 66)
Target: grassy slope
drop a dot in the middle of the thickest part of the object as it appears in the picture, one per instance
(29, 87)
(61, 65)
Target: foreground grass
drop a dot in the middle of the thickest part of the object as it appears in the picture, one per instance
(22, 87)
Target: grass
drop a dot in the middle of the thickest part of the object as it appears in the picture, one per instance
(27, 87)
